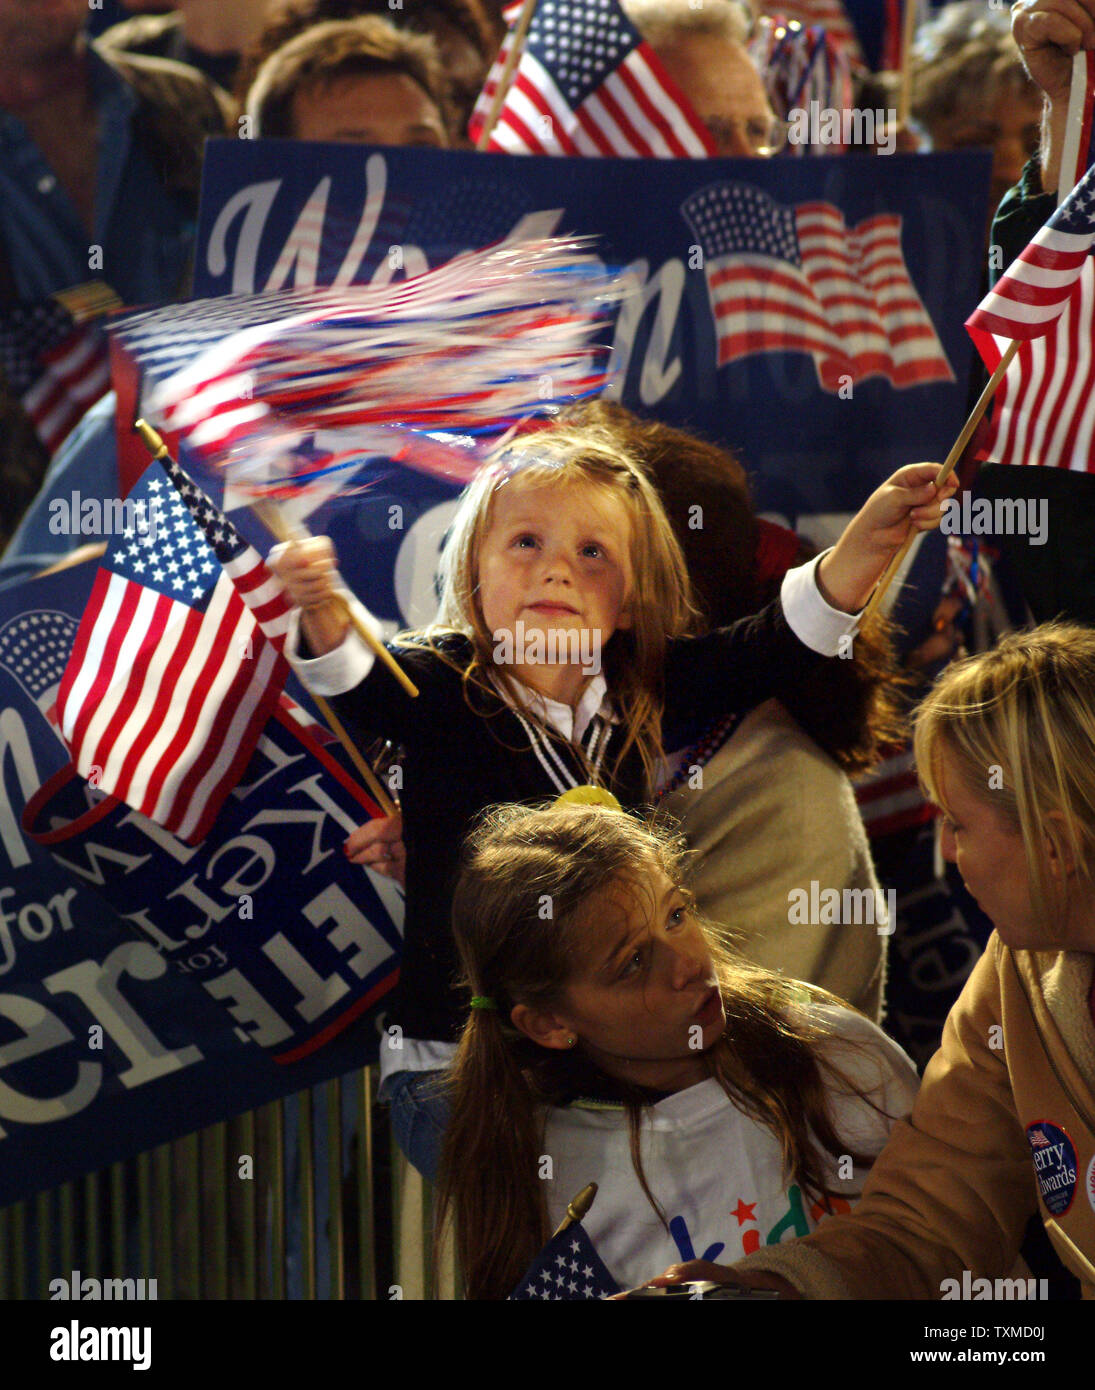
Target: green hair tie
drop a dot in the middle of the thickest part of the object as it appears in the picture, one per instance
(482, 1001)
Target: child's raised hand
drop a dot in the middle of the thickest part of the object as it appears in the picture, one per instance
(906, 502)
(309, 570)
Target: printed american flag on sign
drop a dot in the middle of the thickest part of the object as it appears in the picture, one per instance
(587, 84)
(1044, 410)
(799, 280)
(57, 367)
(34, 649)
(178, 660)
(568, 1270)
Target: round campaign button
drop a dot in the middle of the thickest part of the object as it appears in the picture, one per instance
(1090, 1183)
(1054, 1165)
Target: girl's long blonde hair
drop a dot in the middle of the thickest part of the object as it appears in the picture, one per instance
(766, 1061)
(1016, 725)
(661, 596)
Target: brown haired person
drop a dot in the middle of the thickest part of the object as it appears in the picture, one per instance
(100, 169)
(465, 37)
(970, 90)
(99, 150)
(359, 80)
(208, 35)
(714, 1103)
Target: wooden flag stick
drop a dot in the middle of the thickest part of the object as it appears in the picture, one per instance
(520, 31)
(1057, 1234)
(957, 450)
(908, 34)
(380, 796)
(158, 449)
(271, 518)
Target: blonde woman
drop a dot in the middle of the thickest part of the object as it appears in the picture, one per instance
(1004, 1125)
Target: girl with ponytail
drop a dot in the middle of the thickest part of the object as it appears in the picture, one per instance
(613, 1038)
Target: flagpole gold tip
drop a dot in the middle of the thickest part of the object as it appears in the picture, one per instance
(150, 439)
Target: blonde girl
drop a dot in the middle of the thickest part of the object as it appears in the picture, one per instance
(1004, 1125)
(613, 1038)
(560, 649)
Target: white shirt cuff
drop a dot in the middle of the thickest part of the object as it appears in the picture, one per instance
(814, 622)
(413, 1055)
(340, 670)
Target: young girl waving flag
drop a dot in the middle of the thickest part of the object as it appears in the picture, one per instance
(559, 651)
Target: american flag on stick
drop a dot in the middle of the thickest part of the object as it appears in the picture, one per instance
(1045, 407)
(798, 279)
(587, 84)
(567, 1270)
(177, 662)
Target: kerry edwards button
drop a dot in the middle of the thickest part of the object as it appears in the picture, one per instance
(1054, 1165)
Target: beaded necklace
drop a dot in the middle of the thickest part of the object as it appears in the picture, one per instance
(701, 752)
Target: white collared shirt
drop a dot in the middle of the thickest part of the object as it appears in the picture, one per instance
(570, 722)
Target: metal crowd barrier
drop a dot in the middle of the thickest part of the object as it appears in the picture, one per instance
(325, 1208)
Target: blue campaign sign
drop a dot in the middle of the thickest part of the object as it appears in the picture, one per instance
(148, 987)
(137, 1002)
(807, 313)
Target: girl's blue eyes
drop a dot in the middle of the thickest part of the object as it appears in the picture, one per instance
(592, 551)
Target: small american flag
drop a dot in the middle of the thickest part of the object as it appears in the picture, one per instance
(1045, 407)
(178, 660)
(568, 1269)
(587, 84)
(59, 368)
(799, 280)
